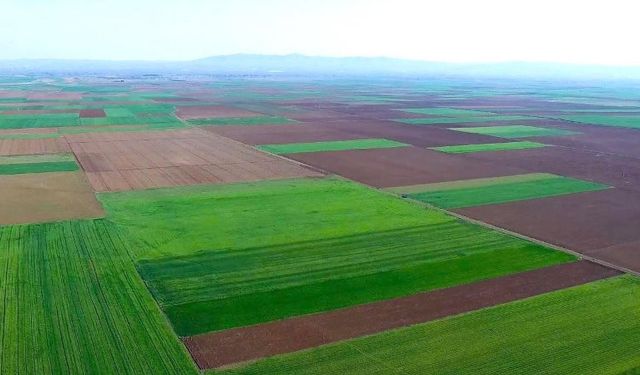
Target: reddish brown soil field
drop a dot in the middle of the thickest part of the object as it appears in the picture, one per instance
(92, 113)
(610, 169)
(619, 142)
(45, 95)
(422, 136)
(402, 166)
(584, 222)
(625, 255)
(250, 343)
(33, 146)
(212, 111)
(269, 134)
(189, 157)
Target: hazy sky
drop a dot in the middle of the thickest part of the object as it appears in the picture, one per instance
(603, 32)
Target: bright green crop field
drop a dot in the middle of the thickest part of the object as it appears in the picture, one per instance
(71, 302)
(516, 131)
(592, 329)
(37, 164)
(236, 249)
(354, 144)
(484, 147)
(495, 191)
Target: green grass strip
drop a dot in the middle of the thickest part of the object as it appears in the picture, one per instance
(590, 329)
(618, 121)
(484, 147)
(475, 182)
(354, 144)
(516, 131)
(70, 293)
(22, 159)
(448, 112)
(259, 120)
(460, 120)
(506, 192)
(22, 168)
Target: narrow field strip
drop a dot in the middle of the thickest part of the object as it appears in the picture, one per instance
(475, 182)
(285, 336)
(460, 120)
(447, 112)
(37, 164)
(487, 147)
(618, 121)
(590, 329)
(354, 144)
(516, 131)
(248, 121)
(306, 239)
(72, 302)
(497, 191)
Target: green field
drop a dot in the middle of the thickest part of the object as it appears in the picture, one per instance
(516, 131)
(355, 144)
(37, 164)
(619, 121)
(236, 249)
(460, 120)
(71, 302)
(258, 120)
(590, 329)
(501, 190)
(484, 147)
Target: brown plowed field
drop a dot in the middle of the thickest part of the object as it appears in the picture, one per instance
(595, 166)
(625, 255)
(584, 222)
(402, 166)
(45, 95)
(189, 157)
(33, 146)
(212, 111)
(250, 343)
(269, 134)
(41, 197)
(92, 113)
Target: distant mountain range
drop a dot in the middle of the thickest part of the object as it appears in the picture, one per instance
(304, 65)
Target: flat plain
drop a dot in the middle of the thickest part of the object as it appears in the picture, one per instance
(282, 225)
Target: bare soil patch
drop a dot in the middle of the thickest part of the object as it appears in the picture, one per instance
(271, 134)
(212, 111)
(250, 343)
(131, 161)
(42, 197)
(582, 222)
(402, 166)
(10, 147)
(92, 113)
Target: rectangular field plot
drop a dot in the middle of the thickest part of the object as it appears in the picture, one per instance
(42, 197)
(37, 164)
(72, 302)
(459, 194)
(248, 121)
(460, 119)
(217, 257)
(619, 121)
(588, 329)
(486, 147)
(354, 144)
(516, 131)
(447, 112)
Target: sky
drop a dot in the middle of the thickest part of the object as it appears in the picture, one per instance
(567, 31)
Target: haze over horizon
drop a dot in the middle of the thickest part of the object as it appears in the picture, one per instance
(448, 31)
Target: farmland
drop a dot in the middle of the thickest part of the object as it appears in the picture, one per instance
(274, 225)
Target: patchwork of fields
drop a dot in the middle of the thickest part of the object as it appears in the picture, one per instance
(274, 226)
